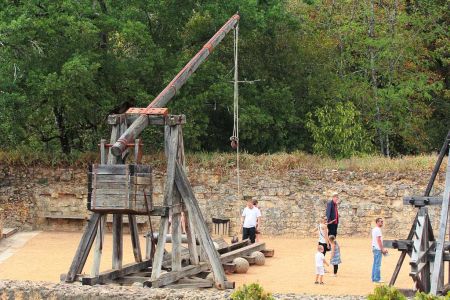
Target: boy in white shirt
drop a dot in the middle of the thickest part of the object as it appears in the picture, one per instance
(320, 260)
(249, 221)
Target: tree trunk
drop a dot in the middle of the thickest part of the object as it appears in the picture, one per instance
(63, 136)
(373, 76)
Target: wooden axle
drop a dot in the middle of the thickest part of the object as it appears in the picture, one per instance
(420, 201)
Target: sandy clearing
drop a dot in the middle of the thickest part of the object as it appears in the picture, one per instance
(291, 270)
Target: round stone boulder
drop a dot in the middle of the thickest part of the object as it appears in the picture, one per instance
(260, 259)
(242, 265)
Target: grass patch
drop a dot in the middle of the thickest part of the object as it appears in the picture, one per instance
(223, 163)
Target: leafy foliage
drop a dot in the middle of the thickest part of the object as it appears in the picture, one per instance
(65, 65)
(424, 296)
(337, 131)
(252, 291)
(384, 292)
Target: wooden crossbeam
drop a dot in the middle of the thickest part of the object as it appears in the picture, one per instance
(170, 277)
(419, 201)
(113, 274)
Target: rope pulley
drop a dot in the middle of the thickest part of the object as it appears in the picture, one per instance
(234, 142)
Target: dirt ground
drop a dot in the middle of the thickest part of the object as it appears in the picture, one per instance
(291, 270)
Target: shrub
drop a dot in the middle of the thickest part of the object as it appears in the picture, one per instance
(424, 296)
(384, 292)
(251, 292)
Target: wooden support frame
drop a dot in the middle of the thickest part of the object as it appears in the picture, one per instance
(178, 199)
(437, 278)
(426, 264)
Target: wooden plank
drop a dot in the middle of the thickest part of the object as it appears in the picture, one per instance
(176, 214)
(420, 201)
(191, 240)
(135, 238)
(437, 273)
(176, 222)
(417, 242)
(83, 248)
(117, 230)
(425, 270)
(77, 217)
(228, 257)
(160, 211)
(176, 235)
(103, 157)
(99, 241)
(200, 226)
(170, 277)
(7, 232)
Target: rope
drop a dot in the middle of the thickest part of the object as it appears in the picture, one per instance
(236, 108)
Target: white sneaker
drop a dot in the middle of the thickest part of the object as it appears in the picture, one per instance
(379, 281)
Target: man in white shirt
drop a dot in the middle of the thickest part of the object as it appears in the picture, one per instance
(249, 221)
(378, 250)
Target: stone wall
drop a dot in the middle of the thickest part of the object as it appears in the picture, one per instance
(1, 223)
(291, 201)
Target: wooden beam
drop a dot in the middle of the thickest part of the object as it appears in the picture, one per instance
(171, 142)
(234, 246)
(419, 201)
(170, 277)
(195, 213)
(437, 273)
(83, 248)
(135, 238)
(117, 248)
(228, 257)
(113, 274)
(99, 245)
(437, 166)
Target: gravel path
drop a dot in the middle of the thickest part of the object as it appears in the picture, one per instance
(12, 289)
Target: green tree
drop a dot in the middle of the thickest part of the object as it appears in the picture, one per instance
(337, 131)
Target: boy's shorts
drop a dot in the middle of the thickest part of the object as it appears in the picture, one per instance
(320, 270)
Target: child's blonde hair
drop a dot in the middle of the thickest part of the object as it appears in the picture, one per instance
(332, 238)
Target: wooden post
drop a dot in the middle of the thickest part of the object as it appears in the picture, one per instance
(171, 151)
(438, 271)
(117, 230)
(99, 242)
(135, 238)
(200, 226)
(84, 248)
(190, 233)
(102, 151)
